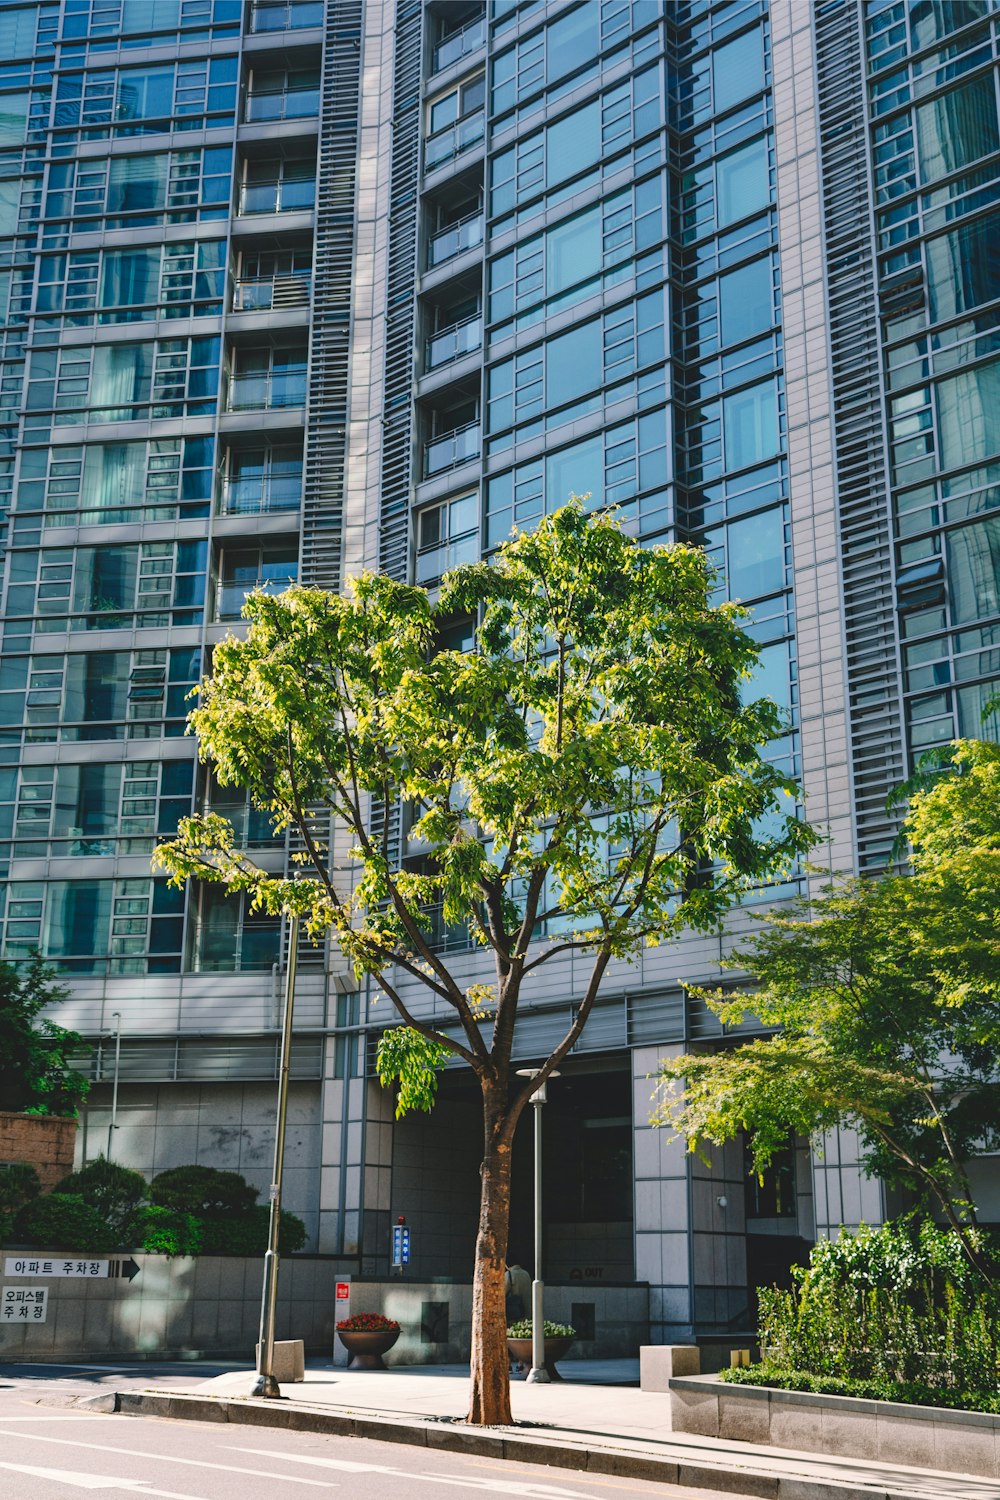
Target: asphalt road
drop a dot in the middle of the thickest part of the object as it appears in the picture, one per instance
(51, 1451)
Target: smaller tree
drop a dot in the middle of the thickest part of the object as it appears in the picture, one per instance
(35, 1073)
(203, 1191)
(885, 999)
(115, 1191)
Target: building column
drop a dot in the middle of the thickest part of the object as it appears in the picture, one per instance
(662, 1210)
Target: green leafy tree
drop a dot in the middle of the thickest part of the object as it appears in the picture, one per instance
(19, 1184)
(885, 996)
(35, 1072)
(589, 769)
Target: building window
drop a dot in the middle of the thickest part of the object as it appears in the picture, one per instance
(447, 536)
(242, 569)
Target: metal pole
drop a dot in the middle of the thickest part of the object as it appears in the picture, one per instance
(116, 1016)
(538, 1374)
(266, 1384)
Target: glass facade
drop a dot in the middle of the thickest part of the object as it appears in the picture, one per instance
(568, 280)
(133, 134)
(933, 98)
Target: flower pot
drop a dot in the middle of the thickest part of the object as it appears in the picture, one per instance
(520, 1350)
(367, 1346)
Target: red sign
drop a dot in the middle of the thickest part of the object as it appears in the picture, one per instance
(343, 1291)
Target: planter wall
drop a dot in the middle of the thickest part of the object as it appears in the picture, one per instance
(211, 1305)
(46, 1142)
(957, 1442)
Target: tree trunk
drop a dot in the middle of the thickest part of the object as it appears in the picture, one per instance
(489, 1403)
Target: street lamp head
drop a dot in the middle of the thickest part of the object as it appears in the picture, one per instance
(539, 1096)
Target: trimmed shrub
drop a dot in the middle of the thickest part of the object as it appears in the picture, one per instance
(247, 1234)
(18, 1185)
(63, 1221)
(890, 1306)
(166, 1231)
(114, 1191)
(203, 1191)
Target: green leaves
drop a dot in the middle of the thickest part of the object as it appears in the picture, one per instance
(36, 1076)
(586, 776)
(413, 1061)
(887, 996)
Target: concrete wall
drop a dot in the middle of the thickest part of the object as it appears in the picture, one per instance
(224, 1125)
(45, 1142)
(211, 1305)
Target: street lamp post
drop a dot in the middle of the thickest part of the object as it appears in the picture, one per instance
(538, 1374)
(116, 1016)
(266, 1383)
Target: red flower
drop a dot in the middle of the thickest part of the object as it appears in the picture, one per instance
(367, 1323)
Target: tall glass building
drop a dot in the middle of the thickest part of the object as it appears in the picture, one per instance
(296, 287)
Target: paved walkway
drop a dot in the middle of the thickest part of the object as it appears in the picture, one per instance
(596, 1418)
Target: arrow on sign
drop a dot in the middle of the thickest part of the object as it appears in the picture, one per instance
(127, 1268)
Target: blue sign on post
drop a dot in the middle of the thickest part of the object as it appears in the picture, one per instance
(400, 1245)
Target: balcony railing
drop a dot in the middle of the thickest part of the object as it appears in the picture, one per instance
(262, 293)
(451, 448)
(463, 235)
(257, 497)
(264, 391)
(285, 15)
(281, 197)
(450, 343)
(460, 44)
(454, 139)
(434, 564)
(282, 104)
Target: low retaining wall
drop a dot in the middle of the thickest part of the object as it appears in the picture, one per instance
(185, 1307)
(932, 1437)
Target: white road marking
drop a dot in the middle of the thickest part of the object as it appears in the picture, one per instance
(532, 1488)
(166, 1458)
(96, 1481)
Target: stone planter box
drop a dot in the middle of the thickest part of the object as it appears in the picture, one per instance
(932, 1437)
(554, 1348)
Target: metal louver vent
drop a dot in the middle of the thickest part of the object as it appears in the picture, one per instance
(325, 450)
(397, 441)
(859, 430)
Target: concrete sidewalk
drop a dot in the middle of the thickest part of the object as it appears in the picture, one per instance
(594, 1420)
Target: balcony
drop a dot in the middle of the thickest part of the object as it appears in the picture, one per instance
(463, 235)
(281, 104)
(252, 497)
(284, 15)
(278, 196)
(451, 449)
(264, 293)
(460, 44)
(446, 144)
(267, 390)
(450, 343)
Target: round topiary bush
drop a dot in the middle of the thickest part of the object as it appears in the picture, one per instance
(247, 1234)
(63, 1221)
(203, 1190)
(166, 1231)
(114, 1191)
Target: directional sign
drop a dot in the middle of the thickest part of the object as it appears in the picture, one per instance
(400, 1245)
(129, 1268)
(65, 1265)
(24, 1304)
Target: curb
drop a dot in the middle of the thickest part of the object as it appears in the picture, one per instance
(615, 1462)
